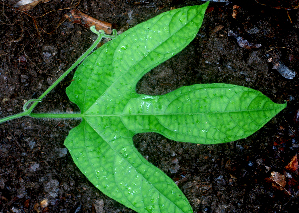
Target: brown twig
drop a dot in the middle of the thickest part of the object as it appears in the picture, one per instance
(87, 21)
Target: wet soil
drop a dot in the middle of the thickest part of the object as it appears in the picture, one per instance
(37, 173)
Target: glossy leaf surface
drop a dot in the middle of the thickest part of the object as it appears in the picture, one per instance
(104, 89)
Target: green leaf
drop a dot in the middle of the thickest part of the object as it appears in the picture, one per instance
(104, 88)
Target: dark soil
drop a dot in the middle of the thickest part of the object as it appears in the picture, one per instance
(37, 173)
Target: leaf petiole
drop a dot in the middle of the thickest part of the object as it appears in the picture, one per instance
(57, 115)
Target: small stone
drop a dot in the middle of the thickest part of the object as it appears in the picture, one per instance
(34, 167)
(24, 78)
(99, 206)
(15, 210)
(48, 53)
(52, 188)
(61, 152)
(2, 183)
(284, 70)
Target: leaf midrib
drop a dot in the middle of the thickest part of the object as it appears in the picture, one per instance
(167, 114)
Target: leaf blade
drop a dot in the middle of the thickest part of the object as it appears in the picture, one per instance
(206, 114)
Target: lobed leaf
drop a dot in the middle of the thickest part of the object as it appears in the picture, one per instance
(104, 89)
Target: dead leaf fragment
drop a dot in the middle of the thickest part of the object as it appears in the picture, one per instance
(235, 11)
(293, 165)
(218, 28)
(278, 178)
(44, 203)
(279, 182)
(36, 208)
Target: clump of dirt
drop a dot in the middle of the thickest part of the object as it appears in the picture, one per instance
(37, 173)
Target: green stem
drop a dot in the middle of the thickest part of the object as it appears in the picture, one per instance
(27, 112)
(90, 49)
(58, 115)
(2, 120)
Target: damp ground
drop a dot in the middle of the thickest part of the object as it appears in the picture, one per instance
(240, 44)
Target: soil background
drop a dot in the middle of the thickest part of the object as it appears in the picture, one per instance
(37, 173)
